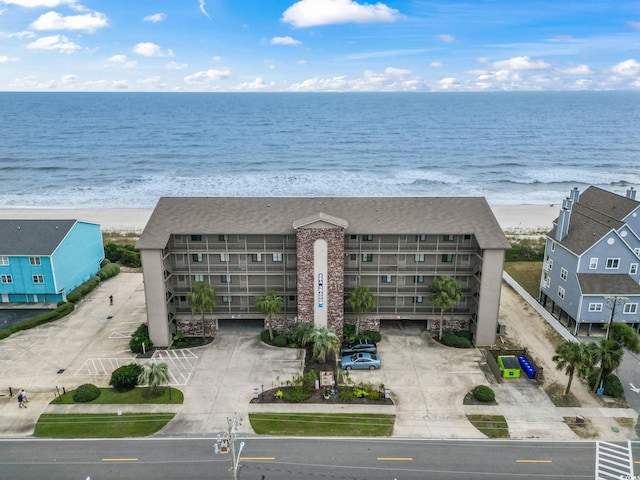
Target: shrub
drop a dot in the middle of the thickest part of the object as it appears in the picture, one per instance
(309, 381)
(464, 334)
(453, 340)
(86, 393)
(125, 377)
(264, 336)
(346, 395)
(139, 337)
(300, 331)
(611, 384)
(374, 395)
(4, 333)
(482, 393)
(373, 335)
(280, 341)
(349, 332)
(295, 395)
(75, 295)
(59, 312)
(108, 271)
(125, 254)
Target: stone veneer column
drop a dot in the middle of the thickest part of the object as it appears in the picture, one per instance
(332, 282)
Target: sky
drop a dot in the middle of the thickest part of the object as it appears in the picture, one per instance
(319, 45)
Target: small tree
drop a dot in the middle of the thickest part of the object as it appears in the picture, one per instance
(325, 341)
(444, 293)
(202, 300)
(572, 357)
(154, 374)
(270, 304)
(361, 300)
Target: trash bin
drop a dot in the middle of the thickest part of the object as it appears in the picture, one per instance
(579, 420)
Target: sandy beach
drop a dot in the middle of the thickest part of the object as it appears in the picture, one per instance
(520, 219)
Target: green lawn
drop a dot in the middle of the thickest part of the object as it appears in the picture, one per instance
(527, 274)
(107, 425)
(111, 396)
(322, 424)
(493, 426)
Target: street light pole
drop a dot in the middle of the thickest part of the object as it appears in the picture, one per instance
(226, 443)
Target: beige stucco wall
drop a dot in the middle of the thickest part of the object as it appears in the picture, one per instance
(489, 299)
(154, 290)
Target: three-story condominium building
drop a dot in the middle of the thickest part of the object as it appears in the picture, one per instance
(41, 261)
(590, 272)
(312, 251)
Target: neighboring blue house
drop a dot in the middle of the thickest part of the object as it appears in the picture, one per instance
(43, 260)
(590, 274)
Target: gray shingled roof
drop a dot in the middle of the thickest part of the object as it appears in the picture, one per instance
(607, 284)
(609, 203)
(32, 237)
(371, 215)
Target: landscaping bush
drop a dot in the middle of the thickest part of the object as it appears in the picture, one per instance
(126, 254)
(280, 341)
(86, 393)
(482, 393)
(451, 339)
(75, 295)
(611, 384)
(349, 332)
(309, 381)
(299, 331)
(125, 377)
(59, 312)
(295, 395)
(526, 250)
(464, 334)
(372, 335)
(139, 337)
(4, 333)
(108, 271)
(264, 336)
(346, 395)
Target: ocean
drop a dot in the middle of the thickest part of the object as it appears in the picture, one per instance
(128, 149)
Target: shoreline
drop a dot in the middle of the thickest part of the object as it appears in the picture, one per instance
(513, 219)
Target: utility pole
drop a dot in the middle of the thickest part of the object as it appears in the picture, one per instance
(613, 301)
(226, 443)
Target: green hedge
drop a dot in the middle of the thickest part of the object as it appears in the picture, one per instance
(108, 271)
(140, 336)
(482, 393)
(86, 393)
(611, 384)
(59, 312)
(126, 254)
(455, 340)
(125, 378)
(75, 295)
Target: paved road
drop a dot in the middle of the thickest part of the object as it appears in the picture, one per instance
(271, 458)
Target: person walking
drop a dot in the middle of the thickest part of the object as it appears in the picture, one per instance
(24, 396)
(110, 300)
(21, 401)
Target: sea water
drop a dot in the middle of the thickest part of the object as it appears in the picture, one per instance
(129, 149)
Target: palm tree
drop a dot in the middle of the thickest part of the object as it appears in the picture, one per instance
(154, 374)
(361, 300)
(270, 304)
(202, 300)
(610, 353)
(325, 341)
(571, 356)
(625, 335)
(445, 293)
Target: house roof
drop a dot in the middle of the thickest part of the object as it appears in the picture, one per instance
(609, 203)
(365, 215)
(32, 237)
(607, 284)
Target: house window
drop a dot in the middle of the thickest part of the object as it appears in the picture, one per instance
(353, 257)
(196, 238)
(6, 279)
(552, 247)
(466, 238)
(613, 263)
(561, 292)
(593, 264)
(595, 307)
(224, 257)
(367, 257)
(637, 251)
(418, 279)
(448, 238)
(34, 261)
(550, 263)
(277, 257)
(630, 308)
(421, 238)
(227, 299)
(367, 238)
(418, 299)
(633, 269)
(563, 273)
(196, 257)
(447, 257)
(198, 278)
(546, 279)
(256, 257)
(419, 257)
(223, 238)
(38, 278)
(4, 260)
(385, 278)
(225, 278)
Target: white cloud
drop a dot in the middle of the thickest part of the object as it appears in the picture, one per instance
(201, 5)
(155, 18)
(68, 79)
(257, 84)
(520, 63)
(208, 76)
(39, 3)
(5, 59)
(445, 37)
(437, 64)
(175, 65)
(20, 35)
(152, 83)
(627, 68)
(121, 60)
(301, 62)
(148, 49)
(396, 71)
(310, 13)
(448, 83)
(285, 41)
(89, 22)
(392, 79)
(635, 25)
(54, 42)
(577, 70)
(216, 59)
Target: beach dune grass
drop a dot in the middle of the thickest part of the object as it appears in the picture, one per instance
(105, 425)
(137, 395)
(527, 274)
(322, 424)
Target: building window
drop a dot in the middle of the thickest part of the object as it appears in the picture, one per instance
(353, 257)
(224, 257)
(550, 263)
(367, 257)
(552, 246)
(637, 251)
(385, 278)
(630, 308)
(448, 238)
(225, 278)
(613, 263)
(196, 238)
(353, 237)
(223, 238)
(4, 260)
(546, 280)
(418, 299)
(447, 257)
(256, 257)
(198, 278)
(196, 257)
(277, 257)
(418, 279)
(421, 238)
(633, 269)
(593, 264)
(34, 261)
(466, 238)
(6, 279)
(37, 278)
(367, 238)
(563, 273)
(227, 299)
(561, 292)
(292, 298)
(419, 257)
(595, 307)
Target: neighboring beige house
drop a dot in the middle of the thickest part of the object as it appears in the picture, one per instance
(312, 251)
